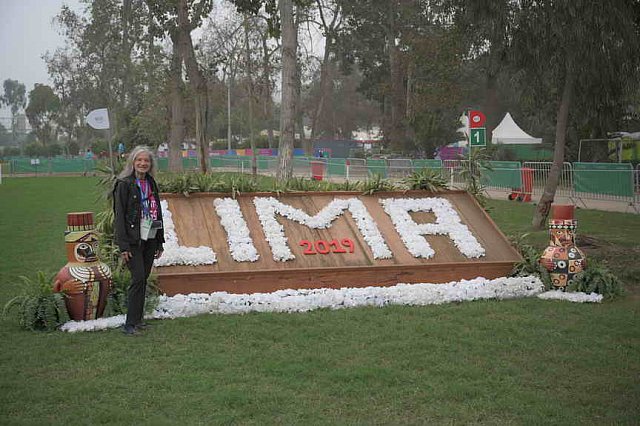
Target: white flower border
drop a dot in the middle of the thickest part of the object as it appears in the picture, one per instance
(447, 223)
(240, 243)
(577, 297)
(268, 207)
(174, 253)
(179, 306)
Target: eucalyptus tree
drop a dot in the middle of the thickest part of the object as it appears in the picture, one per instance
(14, 98)
(585, 52)
(223, 49)
(329, 20)
(42, 112)
(486, 27)
(282, 23)
(178, 18)
(377, 35)
(289, 85)
(110, 61)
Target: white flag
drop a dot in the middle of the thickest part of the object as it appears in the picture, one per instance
(98, 119)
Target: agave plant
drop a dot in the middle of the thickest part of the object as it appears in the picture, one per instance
(349, 185)
(377, 184)
(426, 179)
(471, 173)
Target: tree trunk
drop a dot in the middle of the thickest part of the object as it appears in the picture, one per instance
(252, 141)
(196, 79)
(562, 120)
(398, 103)
(177, 131)
(287, 114)
(267, 102)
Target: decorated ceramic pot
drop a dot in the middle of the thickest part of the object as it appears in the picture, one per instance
(563, 259)
(84, 279)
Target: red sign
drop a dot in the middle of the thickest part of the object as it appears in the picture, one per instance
(476, 119)
(324, 247)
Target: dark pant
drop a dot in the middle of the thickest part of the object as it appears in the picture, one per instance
(140, 266)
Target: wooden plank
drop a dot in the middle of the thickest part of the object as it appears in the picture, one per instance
(376, 276)
(197, 224)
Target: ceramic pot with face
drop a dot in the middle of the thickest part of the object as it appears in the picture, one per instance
(563, 259)
(84, 279)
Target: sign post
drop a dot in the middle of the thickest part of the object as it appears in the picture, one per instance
(478, 137)
(477, 131)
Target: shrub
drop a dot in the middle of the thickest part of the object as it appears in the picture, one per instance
(530, 264)
(597, 279)
(38, 307)
(426, 179)
(377, 184)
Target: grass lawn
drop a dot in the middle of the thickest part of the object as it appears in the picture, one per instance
(523, 361)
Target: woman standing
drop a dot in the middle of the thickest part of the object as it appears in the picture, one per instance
(138, 228)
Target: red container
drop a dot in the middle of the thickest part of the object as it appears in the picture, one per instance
(524, 193)
(562, 211)
(317, 170)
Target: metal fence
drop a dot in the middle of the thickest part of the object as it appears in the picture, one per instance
(618, 182)
(637, 185)
(540, 173)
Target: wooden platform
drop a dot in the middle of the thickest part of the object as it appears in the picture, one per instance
(197, 224)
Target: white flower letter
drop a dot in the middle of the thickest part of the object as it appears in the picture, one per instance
(174, 253)
(240, 243)
(268, 207)
(447, 223)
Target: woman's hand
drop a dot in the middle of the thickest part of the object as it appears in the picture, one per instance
(158, 253)
(126, 256)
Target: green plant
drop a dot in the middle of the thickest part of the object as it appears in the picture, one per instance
(349, 185)
(376, 184)
(300, 184)
(117, 302)
(238, 183)
(596, 278)
(471, 173)
(182, 183)
(426, 179)
(38, 307)
(530, 264)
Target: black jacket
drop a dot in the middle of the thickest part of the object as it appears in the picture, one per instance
(127, 211)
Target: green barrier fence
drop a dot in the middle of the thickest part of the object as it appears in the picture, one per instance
(187, 164)
(377, 167)
(503, 174)
(603, 178)
(426, 164)
(50, 165)
(337, 167)
(163, 164)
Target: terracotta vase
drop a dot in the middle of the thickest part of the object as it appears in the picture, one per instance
(563, 259)
(84, 279)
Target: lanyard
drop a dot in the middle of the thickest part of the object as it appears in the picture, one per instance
(145, 192)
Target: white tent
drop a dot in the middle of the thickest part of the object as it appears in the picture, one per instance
(508, 132)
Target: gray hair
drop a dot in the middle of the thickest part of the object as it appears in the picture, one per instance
(128, 167)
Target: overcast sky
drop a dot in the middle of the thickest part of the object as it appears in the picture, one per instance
(26, 33)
